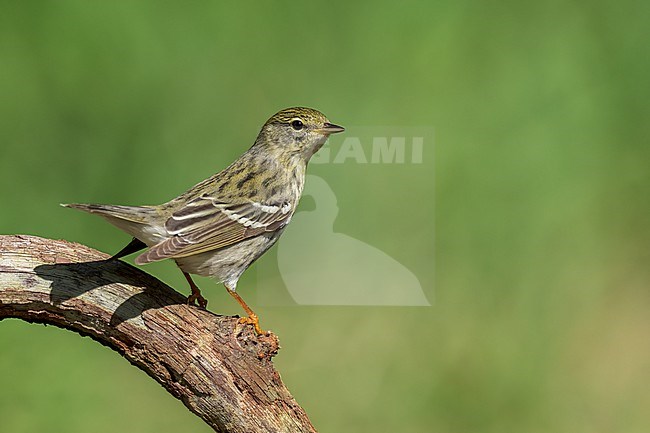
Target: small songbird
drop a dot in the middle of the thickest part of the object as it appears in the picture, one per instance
(220, 226)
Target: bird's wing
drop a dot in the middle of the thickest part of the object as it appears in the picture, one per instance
(206, 224)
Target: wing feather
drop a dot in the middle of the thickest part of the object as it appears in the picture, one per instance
(206, 224)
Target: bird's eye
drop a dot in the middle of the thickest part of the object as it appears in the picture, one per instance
(297, 124)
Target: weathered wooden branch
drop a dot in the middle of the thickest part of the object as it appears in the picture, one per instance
(219, 369)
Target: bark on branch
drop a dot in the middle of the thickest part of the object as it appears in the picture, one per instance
(218, 368)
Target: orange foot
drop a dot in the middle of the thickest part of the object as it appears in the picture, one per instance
(252, 320)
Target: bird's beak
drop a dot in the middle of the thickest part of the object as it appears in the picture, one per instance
(330, 128)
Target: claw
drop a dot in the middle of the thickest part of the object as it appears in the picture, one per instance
(252, 320)
(196, 296)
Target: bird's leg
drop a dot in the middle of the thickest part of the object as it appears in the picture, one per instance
(252, 317)
(196, 293)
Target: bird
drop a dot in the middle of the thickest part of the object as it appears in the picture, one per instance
(221, 225)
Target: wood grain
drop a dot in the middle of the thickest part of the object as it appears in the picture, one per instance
(221, 370)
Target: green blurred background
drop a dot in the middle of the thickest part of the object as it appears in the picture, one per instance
(540, 292)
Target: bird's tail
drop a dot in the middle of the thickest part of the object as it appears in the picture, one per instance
(136, 214)
(142, 222)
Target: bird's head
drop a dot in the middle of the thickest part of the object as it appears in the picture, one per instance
(297, 131)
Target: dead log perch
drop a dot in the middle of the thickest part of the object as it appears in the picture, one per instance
(218, 368)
